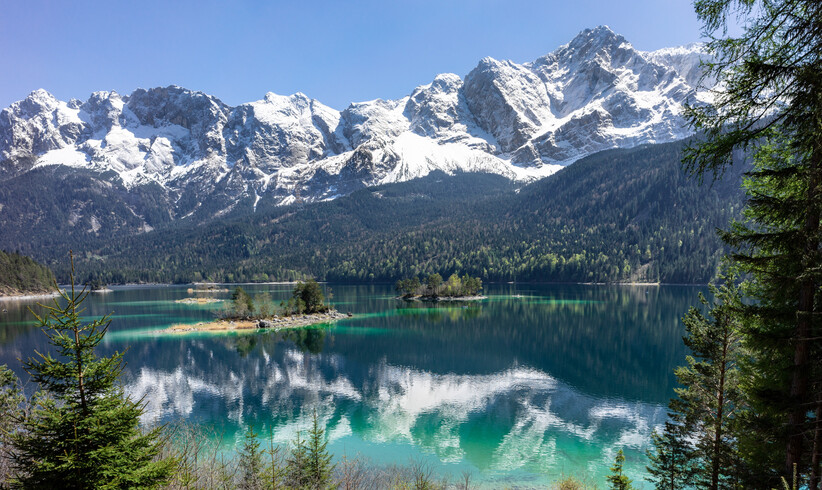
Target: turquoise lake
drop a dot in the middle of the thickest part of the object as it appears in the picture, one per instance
(533, 383)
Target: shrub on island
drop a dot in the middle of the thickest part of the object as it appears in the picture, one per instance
(434, 287)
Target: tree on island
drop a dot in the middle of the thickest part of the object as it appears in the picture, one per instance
(408, 287)
(309, 294)
(83, 430)
(241, 303)
(433, 282)
(455, 286)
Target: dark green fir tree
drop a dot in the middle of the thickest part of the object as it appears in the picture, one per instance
(83, 431)
(250, 462)
(617, 479)
(297, 463)
(319, 465)
(670, 463)
(770, 107)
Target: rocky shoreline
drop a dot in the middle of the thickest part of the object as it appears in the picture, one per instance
(274, 323)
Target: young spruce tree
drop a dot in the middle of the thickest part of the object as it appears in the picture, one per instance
(617, 479)
(83, 431)
(318, 465)
(250, 464)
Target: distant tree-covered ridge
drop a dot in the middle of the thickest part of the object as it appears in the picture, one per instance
(21, 275)
(617, 216)
(434, 287)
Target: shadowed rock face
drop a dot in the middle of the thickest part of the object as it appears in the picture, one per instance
(523, 121)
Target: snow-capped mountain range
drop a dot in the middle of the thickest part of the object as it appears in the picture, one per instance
(521, 121)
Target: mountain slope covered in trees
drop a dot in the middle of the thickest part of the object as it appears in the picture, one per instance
(620, 215)
(21, 275)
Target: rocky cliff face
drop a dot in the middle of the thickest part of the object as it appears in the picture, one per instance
(523, 121)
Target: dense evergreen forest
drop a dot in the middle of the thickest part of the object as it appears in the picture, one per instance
(21, 275)
(620, 215)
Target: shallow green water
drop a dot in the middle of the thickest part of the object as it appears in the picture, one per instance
(530, 384)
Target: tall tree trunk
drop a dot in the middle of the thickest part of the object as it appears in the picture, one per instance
(801, 375)
(715, 464)
(817, 440)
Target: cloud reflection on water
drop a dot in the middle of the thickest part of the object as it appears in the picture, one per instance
(529, 418)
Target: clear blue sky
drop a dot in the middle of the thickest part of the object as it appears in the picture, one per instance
(336, 51)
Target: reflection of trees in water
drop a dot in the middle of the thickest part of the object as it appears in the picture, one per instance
(307, 339)
(435, 312)
(310, 340)
(614, 341)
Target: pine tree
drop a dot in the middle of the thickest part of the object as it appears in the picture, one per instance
(710, 399)
(297, 463)
(670, 461)
(699, 444)
(770, 104)
(12, 414)
(83, 431)
(617, 479)
(250, 462)
(319, 465)
(275, 473)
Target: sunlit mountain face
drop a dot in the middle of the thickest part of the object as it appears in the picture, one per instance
(194, 156)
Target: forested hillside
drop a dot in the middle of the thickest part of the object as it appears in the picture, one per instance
(620, 215)
(21, 275)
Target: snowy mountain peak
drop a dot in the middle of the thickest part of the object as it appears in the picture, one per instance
(600, 37)
(520, 120)
(40, 99)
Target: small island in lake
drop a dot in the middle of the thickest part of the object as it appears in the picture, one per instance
(306, 307)
(456, 288)
(198, 301)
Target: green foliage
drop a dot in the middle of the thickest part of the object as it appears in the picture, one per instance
(670, 463)
(263, 305)
(710, 399)
(11, 398)
(242, 304)
(83, 431)
(618, 480)
(408, 287)
(250, 464)
(309, 295)
(432, 283)
(297, 464)
(318, 459)
(772, 77)
(620, 215)
(12, 414)
(21, 275)
(455, 286)
(699, 444)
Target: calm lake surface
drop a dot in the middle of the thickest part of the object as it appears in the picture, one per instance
(530, 384)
